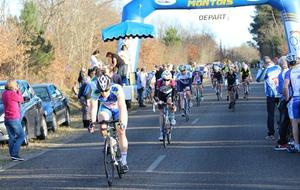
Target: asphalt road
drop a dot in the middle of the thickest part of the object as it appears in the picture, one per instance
(217, 149)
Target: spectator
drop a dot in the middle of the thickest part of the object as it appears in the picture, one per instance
(292, 81)
(118, 62)
(115, 77)
(94, 61)
(284, 120)
(136, 73)
(269, 73)
(125, 56)
(141, 86)
(11, 99)
(84, 96)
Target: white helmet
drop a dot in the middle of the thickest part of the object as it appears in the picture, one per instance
(166, 75)
(103, 83)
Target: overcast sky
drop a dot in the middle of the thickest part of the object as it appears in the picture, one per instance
(232, 31)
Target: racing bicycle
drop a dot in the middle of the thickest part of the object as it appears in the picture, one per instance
(111, 151)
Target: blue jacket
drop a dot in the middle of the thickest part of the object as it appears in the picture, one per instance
(270, 76)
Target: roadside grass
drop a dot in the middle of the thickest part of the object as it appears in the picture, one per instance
(61, 135)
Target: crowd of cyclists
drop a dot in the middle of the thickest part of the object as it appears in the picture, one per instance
(176, 87)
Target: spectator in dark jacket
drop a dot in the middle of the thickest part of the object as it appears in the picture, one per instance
(11, 99)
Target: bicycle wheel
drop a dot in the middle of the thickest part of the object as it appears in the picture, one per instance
(198, 97)
(169, 135)
(164, 131)
(118, 155)
(108, 162)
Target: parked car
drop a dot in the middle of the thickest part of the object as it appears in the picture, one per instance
(55, 105)
(32, 113)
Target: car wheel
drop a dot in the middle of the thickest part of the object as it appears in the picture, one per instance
(25, 128)
(54, 122)
(67, 118)
(44, 129)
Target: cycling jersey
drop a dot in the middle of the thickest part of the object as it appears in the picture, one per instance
(163, 92)
(218, 76)
(184, 81)
(294, 76)
(198, 79)
(270, 76)
(109, 104)
(281, 78)
(245, 73)
(231, 79)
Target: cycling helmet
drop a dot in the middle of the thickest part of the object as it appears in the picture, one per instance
(103, 83)
(245, 66)
(182, 68)
(216, 68)
(166, 75)
(291, 58)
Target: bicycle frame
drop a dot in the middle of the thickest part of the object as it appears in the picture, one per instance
(112, 152)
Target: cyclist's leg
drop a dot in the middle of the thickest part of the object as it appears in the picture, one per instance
(181, 100)
(189, 95)
(172, 109)
(104, 115)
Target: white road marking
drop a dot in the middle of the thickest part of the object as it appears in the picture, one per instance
(195, 121)
(155, 163)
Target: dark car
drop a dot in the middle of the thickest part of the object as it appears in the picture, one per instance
(55, 105)
(32, 113)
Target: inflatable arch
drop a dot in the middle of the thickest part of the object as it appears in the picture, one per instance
(138, 10)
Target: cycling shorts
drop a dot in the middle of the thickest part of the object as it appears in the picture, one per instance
(294, 108)
(219, 79)
(111, 112)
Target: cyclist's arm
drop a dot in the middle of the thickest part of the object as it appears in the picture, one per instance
(123, 117)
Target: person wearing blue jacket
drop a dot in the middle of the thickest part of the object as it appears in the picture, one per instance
(269, 74)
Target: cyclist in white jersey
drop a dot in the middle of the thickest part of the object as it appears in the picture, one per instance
(292, 80)
(112, 105)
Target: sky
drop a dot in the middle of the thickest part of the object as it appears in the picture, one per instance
(231, 31)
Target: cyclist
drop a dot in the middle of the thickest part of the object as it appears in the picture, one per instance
(246, 78)
(217, 76)
(165, 91)
(184, 84)
(292, 81)
(232, 78)
(112, 105)
(198, 82)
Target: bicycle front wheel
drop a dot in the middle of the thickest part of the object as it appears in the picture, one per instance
(164, 131)
(108, 162)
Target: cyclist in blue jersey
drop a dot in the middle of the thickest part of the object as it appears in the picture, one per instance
(284, 120)
(111, 100)
(184, 84)
(292, 79)
(269, 73)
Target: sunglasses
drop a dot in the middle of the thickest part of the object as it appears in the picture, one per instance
(166, 79)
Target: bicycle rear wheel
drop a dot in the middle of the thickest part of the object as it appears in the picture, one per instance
(108, 162)
(169, 136)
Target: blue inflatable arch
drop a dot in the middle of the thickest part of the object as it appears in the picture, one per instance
(138, 10)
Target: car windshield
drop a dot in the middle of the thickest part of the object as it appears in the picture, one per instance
(42, 93)
(2, 88)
